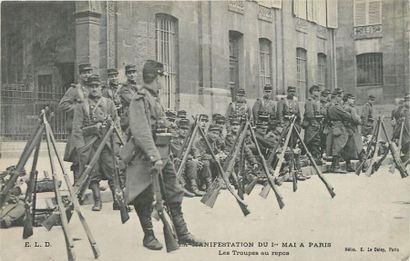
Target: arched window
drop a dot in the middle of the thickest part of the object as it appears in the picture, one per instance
(235, 45)
(301, 72)
(166, 48)
(321, 70)
(369, 69)
(265, 65)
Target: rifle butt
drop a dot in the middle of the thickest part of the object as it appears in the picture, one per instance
(28, 227)
(265, 191)
(210, 197)
(51, 221)
(155, 215)
(124, 214)
(70, 253)
(244, 209)
(294, 184)
(96, 251)
(249, 188)
(170, 242)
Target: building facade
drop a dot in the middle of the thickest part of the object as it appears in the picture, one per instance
(210, 49)
(373, 48)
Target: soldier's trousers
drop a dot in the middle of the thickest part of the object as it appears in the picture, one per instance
(208, 170)
(173, 190)
(314, 146)
(191, 170)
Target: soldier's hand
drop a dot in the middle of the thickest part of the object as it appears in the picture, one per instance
(255, 166)
(158, 165)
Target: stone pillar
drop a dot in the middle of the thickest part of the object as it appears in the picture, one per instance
(87, 33)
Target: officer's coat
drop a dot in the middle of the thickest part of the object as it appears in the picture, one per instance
(354, 144)
(312, 128)
(337, 136)
(265, 106)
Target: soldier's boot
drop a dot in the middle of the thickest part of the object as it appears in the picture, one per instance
(298, 167)
(115, 205)
(144, 214)
(349, 166)
(337, 168)
(95, 188)
(193, 188)
(184, 236)
(187, 193)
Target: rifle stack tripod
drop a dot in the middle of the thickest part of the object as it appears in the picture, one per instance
(34, 143)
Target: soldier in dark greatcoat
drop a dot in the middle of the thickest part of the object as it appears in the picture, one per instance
(89, 126)
(126, 93)
(73, 96)
(113, 87)
(312, 121)
(240, 107)
(367, 116)
(354, 143)
(338, 136)
(145, 113)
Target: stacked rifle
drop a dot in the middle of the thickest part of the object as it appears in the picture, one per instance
(370, 163)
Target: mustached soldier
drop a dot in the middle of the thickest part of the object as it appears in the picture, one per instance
(126, 93)
(367, 116)
(265, 105)
(88, 131)
(240, 107)
(145, 115)
(73, 96)
(113, 87)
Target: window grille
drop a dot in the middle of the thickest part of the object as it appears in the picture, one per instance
(234, 38)
(301, 72)
(265, 65)
(369, 69)
(321, 70)
(166, 51)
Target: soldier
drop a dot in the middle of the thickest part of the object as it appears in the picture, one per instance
(111, 90)
(203, 121)
(396, 120)
(240, 107)
(324, 128)
(367, 116)
(172, 124)
(201, 153)
(354, 143)
(338, 136)
(145, 113)
(221, 122)
(191, 166)
(88, 130)
(181, 114)
(311, 123)
(289, 107)
(265, 105)
(73, 96)
(126, 93)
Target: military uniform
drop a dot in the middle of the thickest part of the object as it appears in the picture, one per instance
(289, 107)
(367, 118)
(311, 124)
(145, 113)
(265, 106)
(88, 131)
(405, 118)
(126, 93)
(324, 128)
(354, 143)
(239, 108)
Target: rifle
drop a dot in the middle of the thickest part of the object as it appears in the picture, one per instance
(401, 135)
(292, 171)
(396, 154)
(378, 163)
(170, 240)
(223, 176)
(188, 142)
(118, 194)
(369, 151)
(28, 149)
(251, 185)
(29, 212)
(74, 201)
(375, 152)
(271, 183)
(265, 190)
(329, 188)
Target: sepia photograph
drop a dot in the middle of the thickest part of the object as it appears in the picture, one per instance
(205, 130)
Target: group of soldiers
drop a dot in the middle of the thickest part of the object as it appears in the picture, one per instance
(333, 129)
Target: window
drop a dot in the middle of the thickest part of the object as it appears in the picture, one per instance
(14, 58)
(321, 70)
(367, 12)
(265, 68)
(300, 8)
(301, 72)
(369, 69)
(45, 87)
(166, 46)
(234, 52)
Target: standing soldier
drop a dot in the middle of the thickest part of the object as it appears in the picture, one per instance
(126, 92)
(289, 107)
(113, 87)
(89, 126)
(337, 137)
(396, 120)
(367, 116)
(240, 107)
(265, 105)
(203, 121)
(324, 128)
(312, 121)
(73, 96)
(145, 113)
(405, 142)
(354, 143)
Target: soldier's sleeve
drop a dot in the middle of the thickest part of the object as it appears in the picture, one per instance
(309, 110)
(342, 113)
(256, 108)
(141, 129)
(355, 117)
(78, 122)
(68, 102)
(229, 111)
(281, 105)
